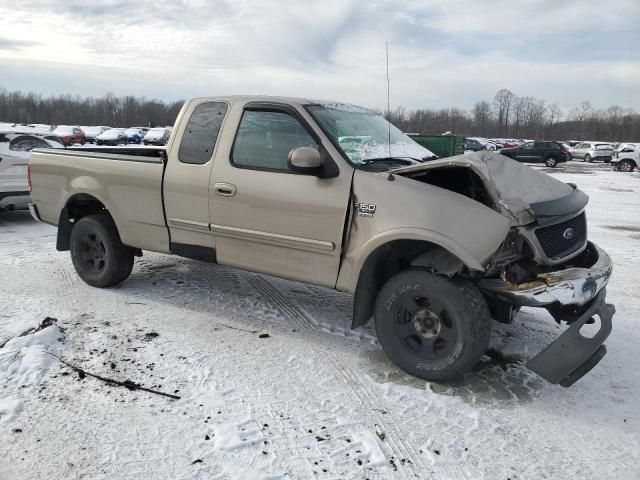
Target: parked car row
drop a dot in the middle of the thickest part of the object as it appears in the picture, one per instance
(70, 135)
(492, 144)
(622, 156)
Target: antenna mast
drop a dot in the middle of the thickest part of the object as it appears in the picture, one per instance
(388, 98)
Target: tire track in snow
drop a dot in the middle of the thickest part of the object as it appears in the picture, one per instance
(273, 296)
(401, 449)
(388, 425)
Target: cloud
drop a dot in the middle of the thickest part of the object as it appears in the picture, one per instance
(9, 44)
(443, 52)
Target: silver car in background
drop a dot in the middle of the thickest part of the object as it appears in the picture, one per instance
(592, 151)
(15, 152)
(157, 136)
(91, 133)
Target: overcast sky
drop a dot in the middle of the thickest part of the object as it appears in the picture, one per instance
(442, 52)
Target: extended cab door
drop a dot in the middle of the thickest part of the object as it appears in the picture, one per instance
(265, 217)
(186, 179)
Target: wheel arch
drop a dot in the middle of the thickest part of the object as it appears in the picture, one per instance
(389, 258)
(77, 206)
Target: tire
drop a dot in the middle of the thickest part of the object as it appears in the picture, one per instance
(551, 162)
(587, 158)
(71, 142)
(432, 327)
(98, 255)
(626, 166)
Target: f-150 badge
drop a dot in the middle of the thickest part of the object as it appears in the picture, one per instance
(365, 209)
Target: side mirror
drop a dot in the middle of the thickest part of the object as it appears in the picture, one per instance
(305, 160)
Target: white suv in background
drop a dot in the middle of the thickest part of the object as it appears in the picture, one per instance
(626, 158)
(15, 152)
(591, 151)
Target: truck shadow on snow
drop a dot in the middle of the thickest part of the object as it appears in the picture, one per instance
(259, 302)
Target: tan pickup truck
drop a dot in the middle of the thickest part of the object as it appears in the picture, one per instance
(331, 194)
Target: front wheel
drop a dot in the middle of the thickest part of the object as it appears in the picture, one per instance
(432, 327)
(98, 255)
(551, 162)
(626, 166)
(587, 158)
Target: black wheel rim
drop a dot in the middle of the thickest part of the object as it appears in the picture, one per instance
(93, 253)
(425, 327)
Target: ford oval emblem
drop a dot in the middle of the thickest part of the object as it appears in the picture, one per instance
(568, 234)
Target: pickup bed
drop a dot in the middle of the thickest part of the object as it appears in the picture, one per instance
(332, 194)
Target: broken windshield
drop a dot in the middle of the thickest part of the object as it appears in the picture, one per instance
(364, 135)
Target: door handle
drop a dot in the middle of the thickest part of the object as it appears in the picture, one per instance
(225, 189)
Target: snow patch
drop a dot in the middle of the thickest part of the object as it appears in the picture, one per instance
(368, 443)
(24, 361)
(9, 408)
(232, 436)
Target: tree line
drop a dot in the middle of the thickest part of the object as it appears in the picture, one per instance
(506, 116)
(110, 110)
(512, 116)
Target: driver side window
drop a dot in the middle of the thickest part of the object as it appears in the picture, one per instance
(265, 138)
(527, 146)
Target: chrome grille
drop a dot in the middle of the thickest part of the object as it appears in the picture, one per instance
(563, 238)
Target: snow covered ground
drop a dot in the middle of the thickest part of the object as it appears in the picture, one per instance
(310, 400)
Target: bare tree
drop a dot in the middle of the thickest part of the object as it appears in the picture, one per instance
(482, 117)
(503, 102)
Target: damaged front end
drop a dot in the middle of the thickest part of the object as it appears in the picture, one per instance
(574, 293)
(546, 259)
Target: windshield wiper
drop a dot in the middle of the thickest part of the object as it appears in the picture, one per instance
(406, 160)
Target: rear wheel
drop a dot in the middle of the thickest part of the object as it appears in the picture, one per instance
(98, 255)
(430, 326)
(626, 166)
(551, 162)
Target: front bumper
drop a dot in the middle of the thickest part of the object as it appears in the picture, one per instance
(575, 294)
(572, 286)
(572, 355)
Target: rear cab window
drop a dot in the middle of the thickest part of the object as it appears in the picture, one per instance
(201, 133)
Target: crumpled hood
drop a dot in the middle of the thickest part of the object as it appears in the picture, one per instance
(513, 187)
